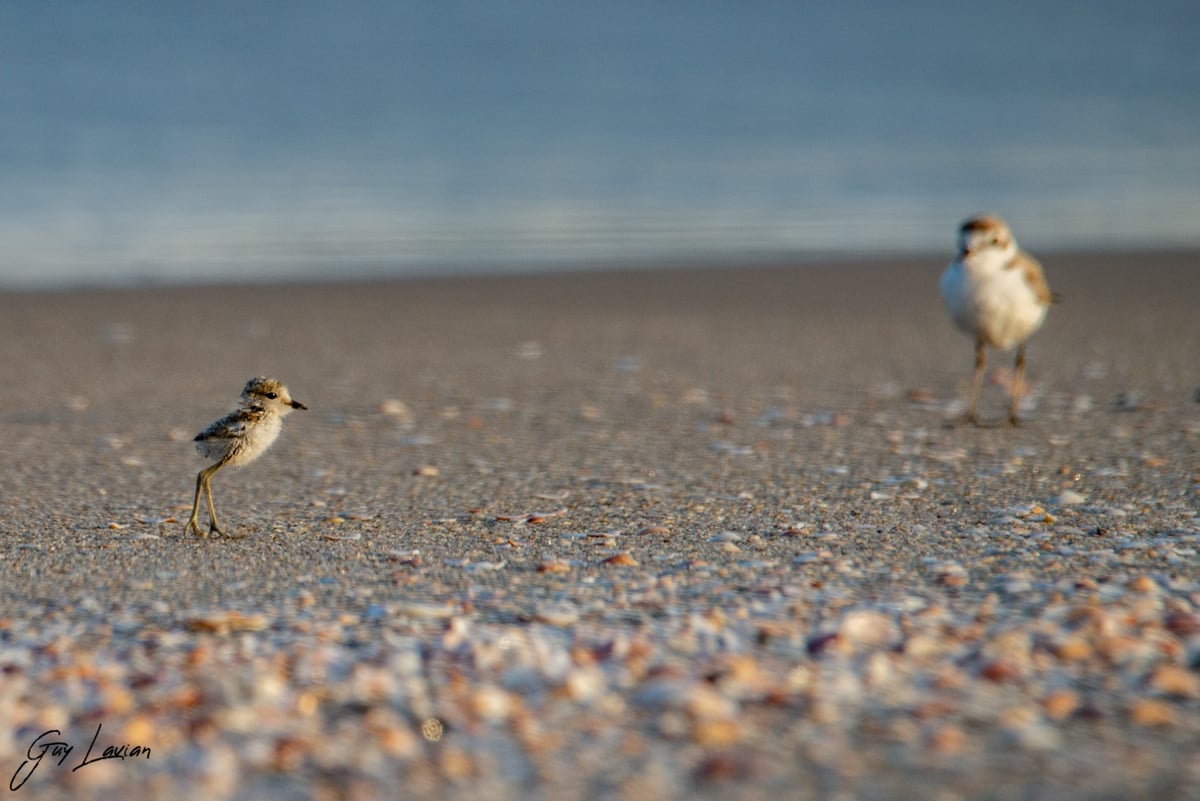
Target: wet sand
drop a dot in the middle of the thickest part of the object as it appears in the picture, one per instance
(663, 533)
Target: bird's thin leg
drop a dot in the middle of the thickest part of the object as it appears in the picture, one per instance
(1018, 385)
(215, 527)
(976, 383)
(192, 523)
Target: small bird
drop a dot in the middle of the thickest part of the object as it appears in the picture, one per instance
(240, 437)
(997, 294)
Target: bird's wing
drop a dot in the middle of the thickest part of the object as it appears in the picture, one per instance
(230, 426)
(1035, 277)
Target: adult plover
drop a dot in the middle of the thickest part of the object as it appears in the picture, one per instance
(997, 294)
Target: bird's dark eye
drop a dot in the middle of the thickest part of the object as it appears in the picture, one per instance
(272, 395)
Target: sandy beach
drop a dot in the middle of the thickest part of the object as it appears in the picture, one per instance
(670, 533)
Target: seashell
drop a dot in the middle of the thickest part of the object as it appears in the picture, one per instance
(1144, 585)
(432, 729)
(1068, 497)
(869, 628)
(397, 409)
(921, 395)
(419, 609)
(350, 537)
(1073, 648)
(1000, 671)
(586, 683)
(948, 739)
(225, 622)
(1060, 704)
(492, 704)
(1182, 624)
(1152, 712)
(1174, 681)
(530, 350)
(542, 517)
(557, 614)
(951, 574)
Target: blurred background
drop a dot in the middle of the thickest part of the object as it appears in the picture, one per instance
(192, 142)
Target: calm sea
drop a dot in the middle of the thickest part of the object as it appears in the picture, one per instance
(203, 141)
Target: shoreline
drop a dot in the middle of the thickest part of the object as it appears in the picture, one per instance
(631, 266)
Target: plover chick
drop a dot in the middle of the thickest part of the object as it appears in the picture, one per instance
(240, 437)
(997, 294)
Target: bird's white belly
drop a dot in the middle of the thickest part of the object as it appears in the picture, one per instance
(241, 442)
(257, 439)
(1000, 309)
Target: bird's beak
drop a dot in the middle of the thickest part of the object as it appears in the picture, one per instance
(298, 405)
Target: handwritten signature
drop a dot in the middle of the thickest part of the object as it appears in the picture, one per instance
(58, 750)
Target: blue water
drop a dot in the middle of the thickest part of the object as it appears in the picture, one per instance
(203, 141)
